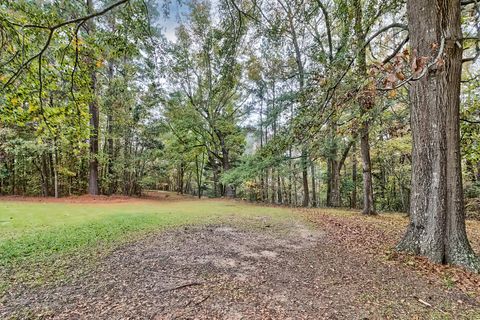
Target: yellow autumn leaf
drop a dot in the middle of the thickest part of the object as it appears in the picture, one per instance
(32, 108)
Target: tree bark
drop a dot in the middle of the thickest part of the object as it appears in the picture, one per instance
(301, 84)
(334, 183)
(477, 178)
(437, 217)
(366, 103)
(55, 168)
(353, 199)
(335, 167)
(314, 185)
(279, 188)
(109, 142)
(306, 193)
(368, 205)
(94, 121)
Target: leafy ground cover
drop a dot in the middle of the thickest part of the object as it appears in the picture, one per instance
(100, 259)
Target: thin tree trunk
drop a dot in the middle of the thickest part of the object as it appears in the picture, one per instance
(94, 121)
(477, 178)
(314, 187)
(335, 183)
(46, 174)
(295, 192)
(368, 205)
(301, 84)
(304, 163)
(55, 167)
(109, 144)
(329, 182)
(353, 200)
(366, 103)
(279, 188)
(336, 166)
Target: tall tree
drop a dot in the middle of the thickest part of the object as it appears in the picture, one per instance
(437, 217)
(366, 100)
(93, 111)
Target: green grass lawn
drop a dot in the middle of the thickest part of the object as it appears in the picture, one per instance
(45, 236)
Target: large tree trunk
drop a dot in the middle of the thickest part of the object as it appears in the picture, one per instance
(437, 218)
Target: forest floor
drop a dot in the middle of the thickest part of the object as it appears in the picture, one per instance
(237, 261)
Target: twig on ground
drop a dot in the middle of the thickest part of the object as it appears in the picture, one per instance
(201, 301)
(183, 286)
(425, 303)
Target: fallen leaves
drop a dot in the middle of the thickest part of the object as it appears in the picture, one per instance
(378, 235)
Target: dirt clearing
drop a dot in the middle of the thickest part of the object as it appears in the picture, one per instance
(227, 272)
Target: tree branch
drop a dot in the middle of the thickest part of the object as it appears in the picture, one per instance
(470, 121)
(424, 71)
(76, 20)
(52, 30)
(396, 51)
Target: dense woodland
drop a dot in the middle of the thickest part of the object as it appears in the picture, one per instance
(340, 103)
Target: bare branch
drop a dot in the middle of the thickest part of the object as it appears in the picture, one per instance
(328, 28)
(396, 51)
(470, 121)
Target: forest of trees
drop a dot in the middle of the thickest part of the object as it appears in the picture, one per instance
(339, 103)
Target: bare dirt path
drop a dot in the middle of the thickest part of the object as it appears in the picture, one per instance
(228, 272)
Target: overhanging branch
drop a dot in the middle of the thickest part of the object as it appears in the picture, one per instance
(51, 30)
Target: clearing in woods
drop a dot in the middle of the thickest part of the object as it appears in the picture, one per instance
(175, 257)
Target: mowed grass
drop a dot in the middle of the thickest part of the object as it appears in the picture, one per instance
(30, 229)
(47, 235)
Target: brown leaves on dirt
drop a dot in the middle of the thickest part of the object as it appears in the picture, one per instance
(88, 199)
(377, 236)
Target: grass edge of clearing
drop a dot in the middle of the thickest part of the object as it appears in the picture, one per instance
(54, 266)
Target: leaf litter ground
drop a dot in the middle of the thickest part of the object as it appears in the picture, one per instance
(322, 264)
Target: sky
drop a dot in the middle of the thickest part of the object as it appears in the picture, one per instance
(177, 9)
(171, 22)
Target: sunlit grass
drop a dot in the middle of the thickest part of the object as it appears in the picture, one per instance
(44, 234)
